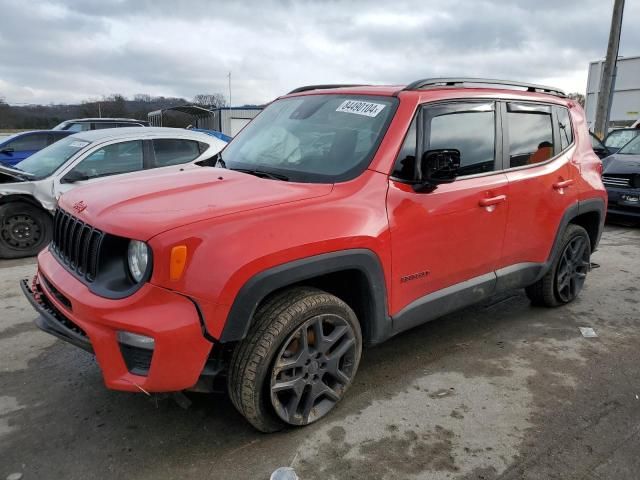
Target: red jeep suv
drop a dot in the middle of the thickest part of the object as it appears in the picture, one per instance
(339, 217)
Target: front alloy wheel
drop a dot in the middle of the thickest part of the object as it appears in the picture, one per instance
(297, 361)
(313, 369)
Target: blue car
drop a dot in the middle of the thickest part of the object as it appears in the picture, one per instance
(213, 133)
(15, 148)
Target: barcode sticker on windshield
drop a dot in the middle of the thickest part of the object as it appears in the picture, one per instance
(358, 107)
(78, 144)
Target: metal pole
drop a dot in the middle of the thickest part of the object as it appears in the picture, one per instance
(229, 88)
(607, 78)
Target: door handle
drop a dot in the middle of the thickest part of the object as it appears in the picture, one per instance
(487, 202)
(563, 184)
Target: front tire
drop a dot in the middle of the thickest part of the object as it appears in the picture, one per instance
(565, 279)
(24, 229)
(297, 361)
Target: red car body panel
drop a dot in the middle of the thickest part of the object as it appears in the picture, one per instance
(236, 226)
(457, 238)
(171, 319)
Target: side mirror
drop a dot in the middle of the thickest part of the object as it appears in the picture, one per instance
(8, 150)
(438, 166)
(73, 177)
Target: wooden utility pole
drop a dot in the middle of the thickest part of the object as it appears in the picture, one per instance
(609, 70)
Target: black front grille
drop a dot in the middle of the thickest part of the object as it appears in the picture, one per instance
(76, 244)
(620, 181)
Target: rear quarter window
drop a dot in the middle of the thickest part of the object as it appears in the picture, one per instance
(566, 130)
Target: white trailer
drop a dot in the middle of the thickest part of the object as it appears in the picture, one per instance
(625, 108)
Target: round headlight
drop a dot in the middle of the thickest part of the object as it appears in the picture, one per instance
(138, 257)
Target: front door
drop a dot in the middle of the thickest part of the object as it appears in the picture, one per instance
(454, 233)
(107, 161)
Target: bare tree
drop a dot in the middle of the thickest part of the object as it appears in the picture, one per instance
(212, 100)
(578, 97)
(142, 97)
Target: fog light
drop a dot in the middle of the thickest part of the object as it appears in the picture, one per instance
(136, 340)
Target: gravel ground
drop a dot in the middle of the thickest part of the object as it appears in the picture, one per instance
(500, 390)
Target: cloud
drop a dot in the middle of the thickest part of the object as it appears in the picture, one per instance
(65, 50)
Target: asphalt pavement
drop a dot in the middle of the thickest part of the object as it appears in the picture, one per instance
(499, 390)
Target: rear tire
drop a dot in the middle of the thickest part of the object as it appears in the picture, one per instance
(565, 279)
(24, 229)
(290, 370)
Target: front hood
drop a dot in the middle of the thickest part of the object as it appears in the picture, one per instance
(621, 164)
(146, 204)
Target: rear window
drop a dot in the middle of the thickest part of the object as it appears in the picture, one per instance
(174, 151)
(530, 134)
(566, 133)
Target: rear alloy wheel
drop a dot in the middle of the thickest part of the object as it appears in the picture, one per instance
(565, 279)
(24, 230)
(572, 269)
(297, 360)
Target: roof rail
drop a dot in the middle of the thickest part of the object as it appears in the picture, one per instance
(449, 82)
(323, 87)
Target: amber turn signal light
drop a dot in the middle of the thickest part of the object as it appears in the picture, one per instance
(178, 262)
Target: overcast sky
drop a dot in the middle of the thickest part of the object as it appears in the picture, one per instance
(66, 51)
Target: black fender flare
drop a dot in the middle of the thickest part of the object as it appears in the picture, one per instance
(585, 206)
(256, 289)
(575, 210)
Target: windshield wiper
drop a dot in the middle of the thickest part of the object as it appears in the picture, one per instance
(262, 174)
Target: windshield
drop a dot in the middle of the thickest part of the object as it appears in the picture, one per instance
(314, 138)
(631, 148)
(43, 163)
(619, 138)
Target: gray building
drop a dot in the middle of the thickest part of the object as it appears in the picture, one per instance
(228, 120)
(625, 107)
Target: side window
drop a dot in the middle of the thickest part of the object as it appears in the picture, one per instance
(29, 142)
(472, 133)
(530, 134)
(469, 128)
(112, 159)
(102, 125)
(170, 151)
(566, 133)
(78, 127)
(203, 147)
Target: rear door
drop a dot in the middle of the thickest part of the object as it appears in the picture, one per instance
(537, 159)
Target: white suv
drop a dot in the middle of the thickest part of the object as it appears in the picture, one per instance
(29, 191)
